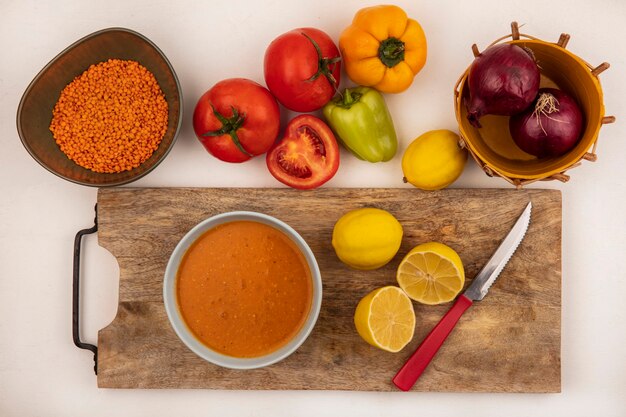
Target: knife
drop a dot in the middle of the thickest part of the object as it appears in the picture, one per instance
(413, 368)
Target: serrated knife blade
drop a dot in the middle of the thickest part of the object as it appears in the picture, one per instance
(491, 271)
(417, 363)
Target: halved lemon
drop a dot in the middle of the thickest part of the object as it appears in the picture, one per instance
(431, 273)
(385, 319)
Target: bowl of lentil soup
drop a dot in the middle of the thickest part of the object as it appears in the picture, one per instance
(104, 112)
(242, 290)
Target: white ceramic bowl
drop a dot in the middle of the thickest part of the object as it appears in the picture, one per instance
(181, 329)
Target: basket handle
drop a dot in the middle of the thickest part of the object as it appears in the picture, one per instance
(600, 68)
(563, 40)
(514, 31)
(76, 292)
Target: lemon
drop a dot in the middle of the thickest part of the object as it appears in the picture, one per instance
(431, 273)
(367, 238)
(385, 319)
(434, 160)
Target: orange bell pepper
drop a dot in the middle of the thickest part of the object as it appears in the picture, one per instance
(383, 48)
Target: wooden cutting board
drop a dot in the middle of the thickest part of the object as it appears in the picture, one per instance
(509, 342)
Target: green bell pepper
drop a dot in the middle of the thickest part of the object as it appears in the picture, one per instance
(362, 122)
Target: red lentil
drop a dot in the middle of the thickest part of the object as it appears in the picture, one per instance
(111, 118)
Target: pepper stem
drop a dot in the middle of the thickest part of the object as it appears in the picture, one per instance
(391, 52)
(230, 125)
(347, 99)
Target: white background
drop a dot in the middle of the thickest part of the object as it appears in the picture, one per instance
(43, 374)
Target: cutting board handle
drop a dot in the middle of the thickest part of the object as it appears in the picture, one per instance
(76, 292)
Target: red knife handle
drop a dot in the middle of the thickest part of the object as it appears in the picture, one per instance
(413, 368)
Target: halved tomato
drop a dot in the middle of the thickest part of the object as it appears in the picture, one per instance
(307, 156)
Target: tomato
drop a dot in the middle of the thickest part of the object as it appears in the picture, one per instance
(307, 156)
(236, 119)
(302, 69)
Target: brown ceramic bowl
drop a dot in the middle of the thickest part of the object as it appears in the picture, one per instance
(34, 113)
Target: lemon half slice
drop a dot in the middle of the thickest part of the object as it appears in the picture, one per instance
(431, 273)
(385, 319)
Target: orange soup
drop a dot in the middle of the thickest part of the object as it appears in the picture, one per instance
(244, 289)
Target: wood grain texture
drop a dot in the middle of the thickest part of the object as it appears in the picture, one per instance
(509, 342)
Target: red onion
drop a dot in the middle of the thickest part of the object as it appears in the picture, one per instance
(551, 127)
(503, 80)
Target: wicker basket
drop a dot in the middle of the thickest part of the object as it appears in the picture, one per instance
(492, 146)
